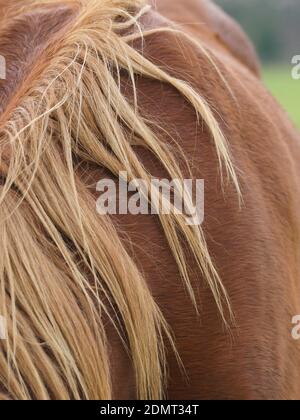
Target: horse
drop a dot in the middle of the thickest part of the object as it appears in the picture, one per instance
(143, 306)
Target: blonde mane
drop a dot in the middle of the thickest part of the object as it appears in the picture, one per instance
(64, 268)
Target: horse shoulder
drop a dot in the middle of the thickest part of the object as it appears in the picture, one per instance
(254, 247)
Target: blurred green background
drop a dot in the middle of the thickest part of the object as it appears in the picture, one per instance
(274, 27)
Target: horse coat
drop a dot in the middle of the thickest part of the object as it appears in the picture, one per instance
(253, 242)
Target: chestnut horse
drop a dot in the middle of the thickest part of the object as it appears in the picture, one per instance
(139, 306)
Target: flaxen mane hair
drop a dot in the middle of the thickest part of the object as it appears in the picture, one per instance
(64, 268)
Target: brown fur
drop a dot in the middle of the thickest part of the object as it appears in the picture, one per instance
(255, 249)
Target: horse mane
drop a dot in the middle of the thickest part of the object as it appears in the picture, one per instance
(63, 268)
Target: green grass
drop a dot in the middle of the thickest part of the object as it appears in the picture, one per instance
(287, 90)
